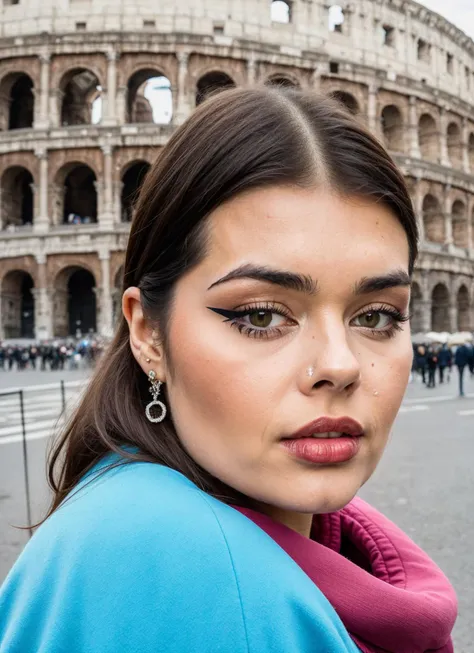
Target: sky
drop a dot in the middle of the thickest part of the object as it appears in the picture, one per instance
(459, 12)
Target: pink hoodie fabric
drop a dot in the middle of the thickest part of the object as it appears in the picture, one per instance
(390, 595)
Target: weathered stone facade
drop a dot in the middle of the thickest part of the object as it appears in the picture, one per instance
(67, 182)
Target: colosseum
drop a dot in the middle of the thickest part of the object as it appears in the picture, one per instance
(90, 90)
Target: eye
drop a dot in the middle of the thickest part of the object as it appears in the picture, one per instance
(374, 320)
(264, 319)
(381, 321)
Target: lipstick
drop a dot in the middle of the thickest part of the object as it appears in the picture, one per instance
(310, 445)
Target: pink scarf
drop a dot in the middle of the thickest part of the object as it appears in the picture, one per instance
(389, 594)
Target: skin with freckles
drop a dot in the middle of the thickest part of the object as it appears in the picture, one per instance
(236, 387)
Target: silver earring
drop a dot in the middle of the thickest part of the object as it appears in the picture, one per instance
(155, 391)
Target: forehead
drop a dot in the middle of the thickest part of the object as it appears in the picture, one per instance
(308, 230)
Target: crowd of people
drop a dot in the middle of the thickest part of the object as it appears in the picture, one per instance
(54, 355)
(435, 360)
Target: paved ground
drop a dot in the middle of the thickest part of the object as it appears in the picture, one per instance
(424, 483)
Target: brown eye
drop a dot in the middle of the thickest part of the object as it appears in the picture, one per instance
(260, 319)
(369, 320)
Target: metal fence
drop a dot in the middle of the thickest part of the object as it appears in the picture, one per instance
(27, 415)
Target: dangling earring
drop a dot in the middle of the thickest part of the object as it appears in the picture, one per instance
(155, 391)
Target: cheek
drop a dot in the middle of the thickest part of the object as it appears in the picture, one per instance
(388, 382)
(213, 387)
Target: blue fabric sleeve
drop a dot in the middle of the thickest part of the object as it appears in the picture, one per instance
(142, 561)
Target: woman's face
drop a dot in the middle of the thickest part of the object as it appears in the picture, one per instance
(321, 284)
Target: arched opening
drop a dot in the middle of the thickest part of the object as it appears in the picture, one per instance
(17, 198)
(347, 100)
(81, 98)
(18, 305)
(416, 308)
(132, 181)
(471, 152)
(281, 80)
(281, 11)
(440, 309)
(392, 128)
(212, 83)
(17, 89)
(433, 220)
(464, 321)
(454, 145)
(459, 219)
(428, 138)
(80, 195)
(336, 18)
(150, 98)
(75, 309)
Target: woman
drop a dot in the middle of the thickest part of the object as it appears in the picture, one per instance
(265, 308)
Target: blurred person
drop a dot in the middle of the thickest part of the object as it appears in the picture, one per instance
(222, 514)
(432, 364)
(461, 360)
(421, 361)
(33, 356)
(445, 359)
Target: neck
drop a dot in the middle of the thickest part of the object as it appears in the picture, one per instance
(297, 521)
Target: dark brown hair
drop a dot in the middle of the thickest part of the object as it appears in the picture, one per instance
(238, 140)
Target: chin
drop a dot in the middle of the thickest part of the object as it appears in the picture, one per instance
(330, 495)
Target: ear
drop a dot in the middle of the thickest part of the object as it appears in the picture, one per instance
(144, 338)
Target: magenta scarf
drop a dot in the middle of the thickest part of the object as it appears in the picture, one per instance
(389, 594)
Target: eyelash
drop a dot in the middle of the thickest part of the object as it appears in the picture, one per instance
(232, 318)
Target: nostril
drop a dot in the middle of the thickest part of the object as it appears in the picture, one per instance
(320, 384)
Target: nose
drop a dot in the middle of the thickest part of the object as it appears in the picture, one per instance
(332, 363)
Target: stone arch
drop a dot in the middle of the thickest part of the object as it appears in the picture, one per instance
(347, 100)
(211, 83)
(454, 141)
(460, 224)
(433, 220)
(282, 80)
(392, 128)
(281, 11)
(428, 138)
(149, 97)
(471, 151)
(440, 308)
(416, 308)
(76, 200)
(75, 305)
(17, 198)
(463, 309)
(18, 305)
(81, 90)
(17, 101)
(132, 180)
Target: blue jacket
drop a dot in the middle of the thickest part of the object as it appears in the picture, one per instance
(140, 560)
(462, 356)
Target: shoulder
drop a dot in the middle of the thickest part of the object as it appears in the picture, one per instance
(139, 556)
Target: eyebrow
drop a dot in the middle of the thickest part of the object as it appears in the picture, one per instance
(307, 285)
(395, 279)
(289, 280)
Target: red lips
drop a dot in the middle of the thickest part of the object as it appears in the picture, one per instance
(345, 425)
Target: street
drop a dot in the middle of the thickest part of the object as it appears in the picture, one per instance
(424, 482)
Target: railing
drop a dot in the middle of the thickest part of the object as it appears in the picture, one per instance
(29, 414)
